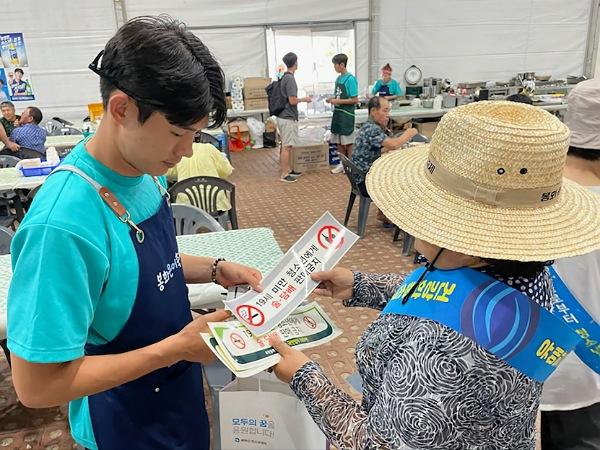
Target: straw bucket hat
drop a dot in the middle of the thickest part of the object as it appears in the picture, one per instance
(490, 184)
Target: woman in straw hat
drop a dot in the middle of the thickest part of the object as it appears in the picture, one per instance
(458, 356)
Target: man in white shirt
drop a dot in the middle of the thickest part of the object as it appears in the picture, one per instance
(571, 398)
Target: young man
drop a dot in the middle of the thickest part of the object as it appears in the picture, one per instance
(570, 401)
(29, 136)
(98, 312)
(344, 100)
(18, 85)
(287, 120)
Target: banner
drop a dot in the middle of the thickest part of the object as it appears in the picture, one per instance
(15, 78)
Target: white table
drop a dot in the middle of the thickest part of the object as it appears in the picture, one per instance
(403, 112)
(255, 247)
(11, 179)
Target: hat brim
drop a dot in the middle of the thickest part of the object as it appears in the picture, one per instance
(398, 185)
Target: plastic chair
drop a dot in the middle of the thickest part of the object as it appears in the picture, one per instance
(189, 219)
(203, 191)
(420, 138)
(408, 241)
(6, 236)
(205, 138)
(357, 189)
(8, 161)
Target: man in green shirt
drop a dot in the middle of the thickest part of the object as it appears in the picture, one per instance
(344, 100)
(9, 118)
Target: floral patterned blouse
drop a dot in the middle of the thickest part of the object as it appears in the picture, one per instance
(424, 385)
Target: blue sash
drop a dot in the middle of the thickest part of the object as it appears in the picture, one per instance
(501, 319)
(567, 307)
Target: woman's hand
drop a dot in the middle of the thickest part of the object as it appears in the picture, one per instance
(337, 283)
(230, 274)
(291, 360)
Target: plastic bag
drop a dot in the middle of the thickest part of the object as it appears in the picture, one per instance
(257, 128)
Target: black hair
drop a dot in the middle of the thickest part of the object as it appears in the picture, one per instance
(340, 58)
(506, 268)
(520, 98)
(35, 114)
(11, 104)
(1, 81)
(19, 70)
(165, 68)
(375, 103)
(584, 153)
(289, 59)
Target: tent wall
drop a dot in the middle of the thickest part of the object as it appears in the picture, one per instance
(62, 37)
(479, 40)
(464, 40)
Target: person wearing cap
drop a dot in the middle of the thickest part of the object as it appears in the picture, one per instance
(386, 86)
(571, 398)
(98, 307)
(458, 356)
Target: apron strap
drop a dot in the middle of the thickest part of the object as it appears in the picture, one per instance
(109, 198)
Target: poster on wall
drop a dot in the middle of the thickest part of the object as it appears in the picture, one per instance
(16, 79)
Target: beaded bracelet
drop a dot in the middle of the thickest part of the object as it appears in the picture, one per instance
(214, 269)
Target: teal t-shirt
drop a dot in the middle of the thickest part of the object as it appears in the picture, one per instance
(393, 86)
(75, 270)
(350, 82)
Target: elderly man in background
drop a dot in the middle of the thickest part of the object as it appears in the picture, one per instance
(30, 137)
(570, 401)
(373, 139)
(8, 121)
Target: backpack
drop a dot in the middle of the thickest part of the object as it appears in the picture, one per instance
(277, 100)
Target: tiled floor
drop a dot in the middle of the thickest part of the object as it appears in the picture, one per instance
(289, 209)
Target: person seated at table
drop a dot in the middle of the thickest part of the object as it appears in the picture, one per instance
(373, 139)
(9, 120)
(206, 160)
(386, 86)
(29, 136)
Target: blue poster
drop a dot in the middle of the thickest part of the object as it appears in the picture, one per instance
(16, 77)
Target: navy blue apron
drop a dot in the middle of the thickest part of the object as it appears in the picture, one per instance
(384, 90)
(164, 409)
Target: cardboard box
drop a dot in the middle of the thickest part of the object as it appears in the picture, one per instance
(254, 87)
(310, 157)
(256, 103)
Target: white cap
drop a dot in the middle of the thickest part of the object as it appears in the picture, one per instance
(583, 114)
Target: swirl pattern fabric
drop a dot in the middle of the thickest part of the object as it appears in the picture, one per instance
(424, 385)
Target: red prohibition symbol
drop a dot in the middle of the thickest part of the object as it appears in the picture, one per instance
(251, 315)
(326, 236)
(238, 341)
(310, 322)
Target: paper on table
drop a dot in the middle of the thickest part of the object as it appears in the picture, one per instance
(289, 283)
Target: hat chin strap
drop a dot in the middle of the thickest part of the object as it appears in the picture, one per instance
(429, 267)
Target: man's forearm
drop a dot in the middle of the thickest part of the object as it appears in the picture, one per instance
(197, 269)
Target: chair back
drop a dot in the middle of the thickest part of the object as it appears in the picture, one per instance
(189, 219)
(8, 161)
(6, 235)
(205, 138)
(354, 173)
(421, 138)
(202, 192)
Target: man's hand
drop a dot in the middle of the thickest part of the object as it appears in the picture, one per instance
(189, 345)
(13, 147)
(230, 274)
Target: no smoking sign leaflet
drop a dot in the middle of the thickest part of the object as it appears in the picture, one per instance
(327, 236)
(251, 315)
(238, 341)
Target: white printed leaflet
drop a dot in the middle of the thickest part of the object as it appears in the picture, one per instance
(246, 355)
(289, 283)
